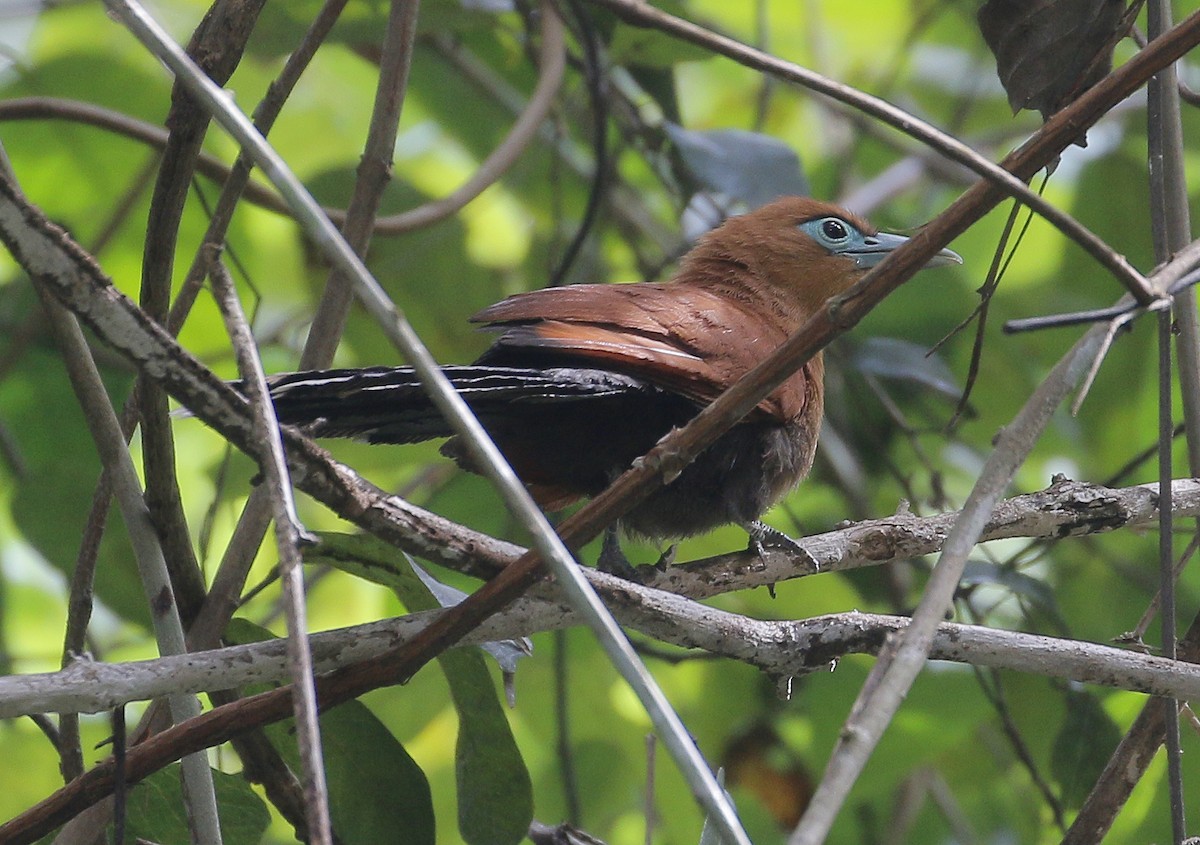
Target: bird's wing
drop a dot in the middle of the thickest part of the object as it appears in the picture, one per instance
(681, 338)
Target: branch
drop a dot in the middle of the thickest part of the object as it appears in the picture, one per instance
(642, 14)
(289, 537)
(372, 177)
(783, 649)
(487, 457)
(778, 648)
(1066, 508)
(551, 63)
(843, 312)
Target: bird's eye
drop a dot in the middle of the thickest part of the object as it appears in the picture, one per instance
(832, 233)
(834, 229)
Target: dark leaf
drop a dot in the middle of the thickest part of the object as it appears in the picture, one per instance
(740, 165)
(1048, 52)
(892, 358)
(1036, 592)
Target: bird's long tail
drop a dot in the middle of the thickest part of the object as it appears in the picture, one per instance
(389, 405)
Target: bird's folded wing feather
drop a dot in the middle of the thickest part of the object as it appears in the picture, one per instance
(682, 338)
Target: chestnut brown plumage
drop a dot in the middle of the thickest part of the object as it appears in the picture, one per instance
(584, 379)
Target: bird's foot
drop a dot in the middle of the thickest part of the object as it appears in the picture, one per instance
(667, 557)
(763, 536)
(612, 559)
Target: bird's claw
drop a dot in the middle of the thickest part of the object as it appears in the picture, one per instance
(612, 559)
(763, 536)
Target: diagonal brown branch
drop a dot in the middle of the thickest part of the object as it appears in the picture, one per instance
(184, 375)
(1011, 180)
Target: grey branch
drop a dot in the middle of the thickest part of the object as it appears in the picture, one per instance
(781, 649)
(1065, 508)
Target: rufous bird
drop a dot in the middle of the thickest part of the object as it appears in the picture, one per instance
(584, 379)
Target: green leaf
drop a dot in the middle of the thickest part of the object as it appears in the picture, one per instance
(155, 810)
(281, 25)
(378, 795)
(495, 795)
(1082, 747)
(631, 45)
(62, 471)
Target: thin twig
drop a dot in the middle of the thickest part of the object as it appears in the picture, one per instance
(986, 291)
(643, 14)
(374, 174)
(289, 535)
(1136, 636)
(248, 535)
(893, 675)
(551, 63)
(1110, 335)
(1171, 227)
(483, 451)
(992, 684)
(597, 95)
(562, 728)
(120, 791)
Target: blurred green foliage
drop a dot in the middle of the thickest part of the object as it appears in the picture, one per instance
(925, 56)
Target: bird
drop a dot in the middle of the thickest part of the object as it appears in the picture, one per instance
(582, 380)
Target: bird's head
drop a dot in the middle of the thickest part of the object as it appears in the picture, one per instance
(795, 251)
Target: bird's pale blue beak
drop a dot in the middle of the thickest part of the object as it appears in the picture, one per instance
(874, 248)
